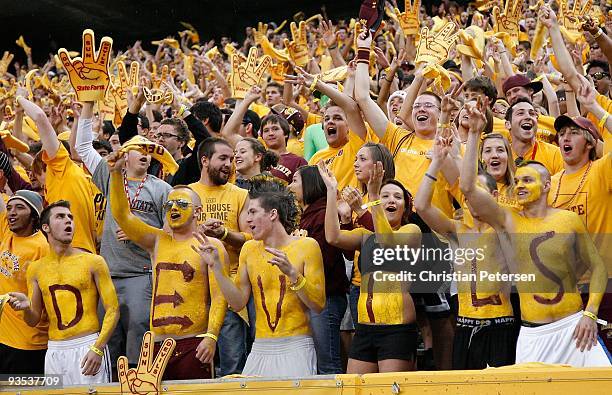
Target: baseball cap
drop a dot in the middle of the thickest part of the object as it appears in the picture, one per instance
(581, 122)
(293, 116)
(31, 198)
(521, 80)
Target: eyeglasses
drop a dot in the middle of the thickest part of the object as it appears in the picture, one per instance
(600, 75)
(424, 105)
(165, 135)
(181, 203)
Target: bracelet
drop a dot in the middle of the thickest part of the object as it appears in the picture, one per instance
(444, 125)
(181, 110)
(370, 204)
(431, 177)
(333, 47)
(224, 234)
(96, 350)
(602, 121)
(599, 33)
(590, 315)
(299, 285)
(314, 83)
(210, 336)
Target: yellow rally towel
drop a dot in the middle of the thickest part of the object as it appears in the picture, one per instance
(155, 150)
(12, 142)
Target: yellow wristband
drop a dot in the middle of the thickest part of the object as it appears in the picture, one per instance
(590, 315)
(599, 33)
(211, 336)
(224, 235)
(299, 285)
(365, 206)
(181, 110)
(602, 121)
(96, 350)
(314, 83)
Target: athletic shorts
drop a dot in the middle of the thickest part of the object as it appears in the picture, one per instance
(373, 343)
(482, 343)
(183, 364)
(292, 356)
(434, 305)
(64, 357)
(17, 361)
(554, 343)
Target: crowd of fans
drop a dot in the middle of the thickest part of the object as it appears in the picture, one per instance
(234, 196)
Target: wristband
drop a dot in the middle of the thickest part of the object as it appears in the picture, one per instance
(181, 110)
(299, 285)
(599, 33)
(333, 47)
(96, 350)
(602, 121)
(210, 336)
(590, 315)
(444, 125)
(224, 234)
(431, 177)
(370, 204)
(363, 54)
(314, 83)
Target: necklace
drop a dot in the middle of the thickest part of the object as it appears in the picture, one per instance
(127, 190)
(580, 185)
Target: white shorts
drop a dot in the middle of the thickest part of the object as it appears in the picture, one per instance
(64, 357)
(554, 343)
(282, 357)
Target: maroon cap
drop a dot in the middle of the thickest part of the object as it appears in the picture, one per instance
(521, 80)
(581, 122)
(373, 11)
(293, 117)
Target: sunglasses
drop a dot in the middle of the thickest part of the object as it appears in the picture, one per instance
(600, 75)
(181, 203)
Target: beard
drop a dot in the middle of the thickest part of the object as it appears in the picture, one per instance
(217, 177)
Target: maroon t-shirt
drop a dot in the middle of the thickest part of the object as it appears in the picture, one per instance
(287, 165)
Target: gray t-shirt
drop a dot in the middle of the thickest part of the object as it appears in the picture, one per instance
(125, 258)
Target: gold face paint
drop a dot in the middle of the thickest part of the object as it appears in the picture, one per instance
(528, 178)
(179, 208)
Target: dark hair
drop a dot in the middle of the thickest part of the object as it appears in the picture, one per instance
(38, 165)
(526, 44)
(510, 109)
(313, 186)
(280, 120)
(483, 85)
(207, 147)
(272, 194)
(45, 216)
(144, 121)
(269, 159)
(407, 198)
(180, 127)
(102, 144)
(157, 116)
(490, 182)
(254, 119)
(380, 153)
(274, 84)
(598, 63)
(204, 110)
(108, 129)
(433, 95)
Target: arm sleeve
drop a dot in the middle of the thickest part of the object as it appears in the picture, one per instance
(189, 169)
(129, 127)
(90, 157)
(14, 180)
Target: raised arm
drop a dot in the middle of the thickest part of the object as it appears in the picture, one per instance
(604, 41)
(230, 130)
(47, 134)
(90, 157)
(433, 216)
(346, 240)
(106, 289)
(136, 230)
(373, 114)
(482, 203)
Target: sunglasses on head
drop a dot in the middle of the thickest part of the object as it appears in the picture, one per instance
(181, 203)
(600, 75)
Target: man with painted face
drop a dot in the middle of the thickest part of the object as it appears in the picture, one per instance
(522, 121)
(224, 207)
(22, 347)
(68, 283)
(186, 300)
(520, 87)
(129, 264)
(548, 244)
(284, 274)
